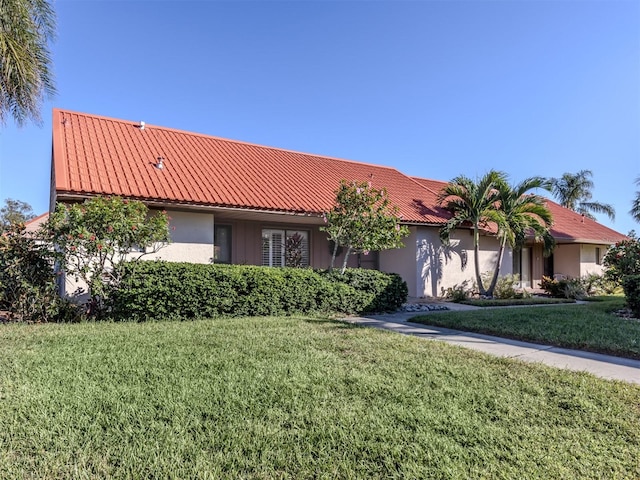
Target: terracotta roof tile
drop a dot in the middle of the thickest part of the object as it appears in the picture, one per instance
(95, 155)
(100, 155)
(570, 226)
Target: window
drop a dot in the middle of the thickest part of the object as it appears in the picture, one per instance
(222, 244)
(598, 257)
(285, 248)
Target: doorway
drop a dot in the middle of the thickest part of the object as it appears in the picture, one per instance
(522, 266)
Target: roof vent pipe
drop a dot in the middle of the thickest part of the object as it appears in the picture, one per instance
(141, 125)
(160, 163)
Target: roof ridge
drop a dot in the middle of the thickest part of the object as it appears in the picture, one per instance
(419, 179)
(35, 219)
(224, 139)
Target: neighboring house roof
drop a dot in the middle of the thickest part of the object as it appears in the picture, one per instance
(33, 225)
(96, 155)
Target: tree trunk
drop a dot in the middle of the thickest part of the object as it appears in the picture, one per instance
(346, 258)
(333, 255)
(494, 279)
(476, 262)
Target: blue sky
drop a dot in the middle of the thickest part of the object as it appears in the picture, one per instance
(433, 88)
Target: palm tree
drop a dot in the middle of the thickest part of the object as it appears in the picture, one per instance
(26, 27)
(573, 191)
(520, 215)
(635, 209)
(472, 203)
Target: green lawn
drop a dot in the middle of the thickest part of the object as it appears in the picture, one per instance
(296, 398)
(505, 302)
(591, 327)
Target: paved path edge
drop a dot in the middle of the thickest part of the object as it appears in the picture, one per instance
(604, 366)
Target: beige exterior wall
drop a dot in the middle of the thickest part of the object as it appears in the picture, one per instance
(440, 267)
(191, 238)
(403, 261)
(424, 263)
(566, 260)
(191, 241)
(589, 263)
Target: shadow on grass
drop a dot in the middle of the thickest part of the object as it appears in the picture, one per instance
(338, 324)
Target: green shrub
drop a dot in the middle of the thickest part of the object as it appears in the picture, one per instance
(631, 286)
(163, 290)
(27, 282)
(507, 287)
(564, 287)
(457, 293)
(623, 259)
(381, 291)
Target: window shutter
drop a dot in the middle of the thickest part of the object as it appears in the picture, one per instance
(273, 248)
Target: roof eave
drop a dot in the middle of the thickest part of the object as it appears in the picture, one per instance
(157, 202)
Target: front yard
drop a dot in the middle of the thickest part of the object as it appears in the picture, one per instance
(296, 397)
(593, 327)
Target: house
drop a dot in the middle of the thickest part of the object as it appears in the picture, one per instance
(32, 226)
(236, 202)
(581, 244)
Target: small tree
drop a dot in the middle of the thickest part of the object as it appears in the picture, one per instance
(471, 203)
(293, 246)
(27, 285)
(363, 220)
(623, 259)
(518, 215)
(91, 239)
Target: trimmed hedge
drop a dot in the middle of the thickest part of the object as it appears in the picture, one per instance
(156, 290)
(387, 290)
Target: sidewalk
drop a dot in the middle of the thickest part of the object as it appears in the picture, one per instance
(605, 366)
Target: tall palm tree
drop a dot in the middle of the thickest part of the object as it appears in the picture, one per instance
(573, 191)
(635, 209)
(26, 28)
(518, 216)
(472, 203)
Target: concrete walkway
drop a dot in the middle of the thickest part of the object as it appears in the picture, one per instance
(605, 366)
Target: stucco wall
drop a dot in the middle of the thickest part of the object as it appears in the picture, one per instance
(566, 260)
(441, 267)
(403, 262)
(191, 241)
(191, 238)
(588, 260)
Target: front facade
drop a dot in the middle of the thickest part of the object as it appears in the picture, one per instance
(239, 203)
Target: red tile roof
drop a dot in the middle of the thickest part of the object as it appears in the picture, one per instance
(570, 226)
(95, 155)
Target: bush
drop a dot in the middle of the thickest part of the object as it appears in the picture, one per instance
(27, 282)
(631, 286)
(508, 287)
(623, 259)
(457, 293)
(382, 291)
(162, 290)
(564, 288)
